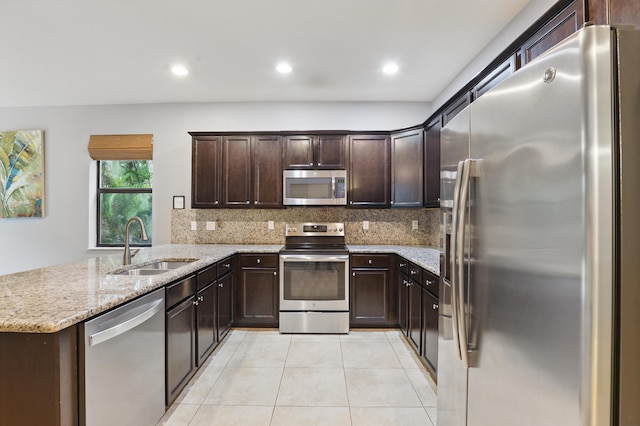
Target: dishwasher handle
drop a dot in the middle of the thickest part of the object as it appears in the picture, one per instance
(123, 327)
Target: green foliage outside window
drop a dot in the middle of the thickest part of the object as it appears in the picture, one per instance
(124, 191)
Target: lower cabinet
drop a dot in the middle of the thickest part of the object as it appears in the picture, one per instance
(373, 301)
(181, 336)
(430, 329)
(257, 291)
(224, 297)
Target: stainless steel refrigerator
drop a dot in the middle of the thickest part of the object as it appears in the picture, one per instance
(540, 277)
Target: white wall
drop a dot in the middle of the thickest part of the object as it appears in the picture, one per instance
(63, 235)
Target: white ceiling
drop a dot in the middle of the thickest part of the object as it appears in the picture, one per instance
(85, 52)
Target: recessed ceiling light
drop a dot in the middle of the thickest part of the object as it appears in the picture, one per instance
(283, 68)
(179, 70)
(390, 68)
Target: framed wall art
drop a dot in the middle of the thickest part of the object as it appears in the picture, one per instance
(21, 174)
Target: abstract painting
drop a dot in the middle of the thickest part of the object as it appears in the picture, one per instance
(21, 174)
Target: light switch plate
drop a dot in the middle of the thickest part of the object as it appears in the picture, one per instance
(210, 225)
(414, 224)
(365, 225)
(270, 224)
(194, 225)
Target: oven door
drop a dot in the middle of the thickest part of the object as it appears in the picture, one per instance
(314, 282)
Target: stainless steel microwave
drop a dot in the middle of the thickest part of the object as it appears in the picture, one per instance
(314, 187)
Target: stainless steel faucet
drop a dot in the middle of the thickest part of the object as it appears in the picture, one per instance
(127, 253)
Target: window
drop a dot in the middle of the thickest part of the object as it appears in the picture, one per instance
(124, 191)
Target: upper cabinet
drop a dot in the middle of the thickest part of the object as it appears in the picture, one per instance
(236, 171)
(314, 152)
(625, 12)
(492, 78)
(369, 177)
(455, 106)
(562, 25)
(407, 168)
(205, 171)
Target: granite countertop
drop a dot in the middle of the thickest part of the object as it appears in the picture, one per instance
(49, 299)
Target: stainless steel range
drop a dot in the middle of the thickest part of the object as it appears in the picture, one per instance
(314, 280)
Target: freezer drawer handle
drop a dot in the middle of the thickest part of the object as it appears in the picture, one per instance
(123, 327)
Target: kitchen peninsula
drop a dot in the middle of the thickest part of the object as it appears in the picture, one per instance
(41, 311)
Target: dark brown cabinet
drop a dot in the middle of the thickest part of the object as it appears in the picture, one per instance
(403, 294)
(314, 152)
(551, 33)
(369, 171)
(251, 171)
(224, 306)
(180, 336)
(257, 291)
(455, 106)
(407, 168)
(373, 301)
(206, 302)
(414, 323)
(205, 171)
(431, 184)
(492, 78)
(625, 12)
(430, 329)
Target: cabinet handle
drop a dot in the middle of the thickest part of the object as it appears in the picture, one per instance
(413, 272)
(220, 285)
(311, 164)
(370, 261)
(435, 306)
(201, 298)
(354, 274)
(319, 163)
(429, 282)
(275, 273)
(258, 260)
(402, 265)
(195, 302)
(227, 265)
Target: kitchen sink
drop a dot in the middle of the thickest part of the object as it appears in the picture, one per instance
(154, 268)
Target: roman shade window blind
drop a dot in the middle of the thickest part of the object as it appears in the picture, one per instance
(121, 147)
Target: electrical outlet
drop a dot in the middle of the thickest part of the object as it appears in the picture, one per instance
(210, 225)
(365, 225)
(194, 225)
(270, 224)
(414, 224)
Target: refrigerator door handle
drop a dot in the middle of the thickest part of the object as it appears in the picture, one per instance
(463, 334)
(453, 258)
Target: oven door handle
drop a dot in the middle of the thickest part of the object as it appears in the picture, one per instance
(313, 258)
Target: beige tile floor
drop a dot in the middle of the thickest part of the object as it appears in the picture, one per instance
(262, 377)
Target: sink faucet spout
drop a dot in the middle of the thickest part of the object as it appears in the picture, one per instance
(126, 260)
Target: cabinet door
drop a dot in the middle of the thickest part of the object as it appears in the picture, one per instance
(205, 321)
(499, 73)
(225, 308)
(605, 12)
(257, 297)
(406, 168)
(371, 303)
(432, 163)
(181, 347)
(330, 152)
(236, 157)
(430, 329)
(403, 302)
(267, 171)
(415, 314)
(298, 152)
(455, 106)
(205, 172)
(369, 171)
(557, 29)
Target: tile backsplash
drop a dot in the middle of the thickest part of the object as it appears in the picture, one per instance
(251, 226)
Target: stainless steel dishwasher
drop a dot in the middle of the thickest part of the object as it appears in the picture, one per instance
(122, 364)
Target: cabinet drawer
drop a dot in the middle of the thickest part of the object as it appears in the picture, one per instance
(403, 265)
(415, 273)
(180, 290)
(431, 282)
(207, 276)
(259, 260)
(225, 266)
(370, 261)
